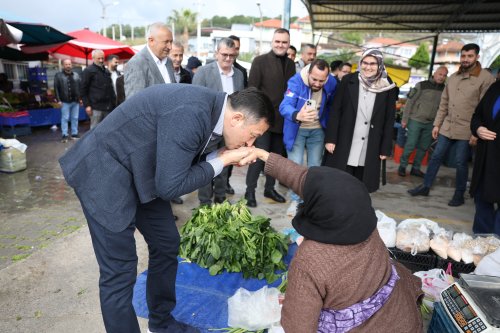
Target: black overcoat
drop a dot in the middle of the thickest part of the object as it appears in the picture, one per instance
(341, 123)
(487, 159)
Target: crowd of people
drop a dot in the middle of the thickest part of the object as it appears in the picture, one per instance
(149, 145)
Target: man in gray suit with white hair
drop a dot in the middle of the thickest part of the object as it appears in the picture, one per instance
(219, 75)
(151, 65)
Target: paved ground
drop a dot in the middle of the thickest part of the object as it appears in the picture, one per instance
(48, 274)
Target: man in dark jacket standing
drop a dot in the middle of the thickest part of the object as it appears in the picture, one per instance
(485, 124)
(270, 73)
(67, 90)
(97, 91)
(176, 54)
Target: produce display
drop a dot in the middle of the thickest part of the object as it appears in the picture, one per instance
(227, 237)
(421, 235)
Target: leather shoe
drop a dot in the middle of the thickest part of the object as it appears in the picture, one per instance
(272, 194)
(419, 190)
(229, 189)
(402, 171)
(219, 200)
(177, 201)
(417, 173)
(250, 197)
(456, 201)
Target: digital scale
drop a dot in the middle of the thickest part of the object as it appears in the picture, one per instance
(473, 303)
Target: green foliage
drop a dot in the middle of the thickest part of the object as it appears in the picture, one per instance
(247, 56)
(185, 21)
(345, 55)
(352, 37)
(495, 64)
(421, 58)
(227, 237)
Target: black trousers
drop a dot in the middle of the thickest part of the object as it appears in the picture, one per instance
(271, 142)
(117, 259)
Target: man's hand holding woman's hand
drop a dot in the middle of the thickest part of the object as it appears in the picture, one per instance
(242, 156)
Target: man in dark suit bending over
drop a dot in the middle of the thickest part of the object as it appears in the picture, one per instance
(124, 172)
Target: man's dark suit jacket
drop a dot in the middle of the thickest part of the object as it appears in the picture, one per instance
(267, 75)
(244, 71)
(143, 150)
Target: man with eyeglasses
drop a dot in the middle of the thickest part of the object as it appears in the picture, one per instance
(220, 75)
(151, 65)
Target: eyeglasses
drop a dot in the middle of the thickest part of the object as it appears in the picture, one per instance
(371, 64)
(226, 55)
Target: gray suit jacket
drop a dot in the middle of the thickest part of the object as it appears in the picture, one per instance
(148, 147)
(141, 72)
(209, 76)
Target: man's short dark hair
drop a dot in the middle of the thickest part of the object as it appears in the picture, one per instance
(113, 56)
(346, 64)
(471, 46)
(293, 48)
(320, 64)
(254, 104)
(334, 65)
(233, 37)
(282, 31)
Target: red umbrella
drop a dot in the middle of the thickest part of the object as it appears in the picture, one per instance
(79, 49)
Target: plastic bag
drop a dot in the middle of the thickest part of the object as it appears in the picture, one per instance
(489, 265)
(254, 310)
(386, 228)
(434, 281)
(12, 160)
(413, 240)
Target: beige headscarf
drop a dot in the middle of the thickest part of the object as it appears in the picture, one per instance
(379, 82)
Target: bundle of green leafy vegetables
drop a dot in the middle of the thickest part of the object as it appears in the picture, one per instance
(226, 236)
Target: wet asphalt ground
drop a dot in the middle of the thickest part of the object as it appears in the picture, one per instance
(48, 274)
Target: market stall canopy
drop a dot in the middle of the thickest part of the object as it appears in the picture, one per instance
(79, 49)
(14, 54)
(30, 34)
(435, 16)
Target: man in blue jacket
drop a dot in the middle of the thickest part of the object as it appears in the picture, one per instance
(305, 108)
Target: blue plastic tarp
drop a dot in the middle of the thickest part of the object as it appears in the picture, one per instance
(202, 298)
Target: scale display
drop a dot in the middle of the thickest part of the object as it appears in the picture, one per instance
(463, 311)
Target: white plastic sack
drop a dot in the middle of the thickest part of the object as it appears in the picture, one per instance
(434, 281)
(413, 240)
(254, 310)
(386, 228)
(489, 265)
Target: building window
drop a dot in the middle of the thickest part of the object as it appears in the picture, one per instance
(22, 72)
(10, 71)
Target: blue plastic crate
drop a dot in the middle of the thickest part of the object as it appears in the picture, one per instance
(440, 323)
(37, 74)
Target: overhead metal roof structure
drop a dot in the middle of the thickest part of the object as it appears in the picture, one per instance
(435, 16)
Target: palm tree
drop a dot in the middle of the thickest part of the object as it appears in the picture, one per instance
(185, 20)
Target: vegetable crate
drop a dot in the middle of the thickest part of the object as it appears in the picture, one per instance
(456, 267)
(415, 263)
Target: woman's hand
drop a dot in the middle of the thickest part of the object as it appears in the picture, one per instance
(383, 157)
(256, 153)
(486, 134)
(234, 156)
(330, 147)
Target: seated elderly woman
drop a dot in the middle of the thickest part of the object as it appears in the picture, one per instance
(341, 278)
